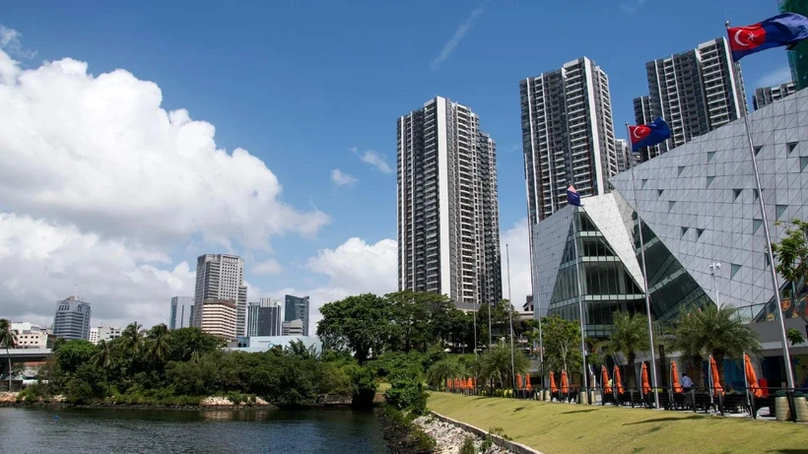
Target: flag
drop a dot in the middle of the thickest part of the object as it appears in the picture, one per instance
(783, 30)
(649, 135)
(573, 198)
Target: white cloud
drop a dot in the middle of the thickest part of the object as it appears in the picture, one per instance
(775, 77)
(10, 41)
(375, 159)
(99, 152)
(631, 7)
(517, 237)
(43, 262)
(458, 36)
(339, 178)
(269, 266)
(352, 268)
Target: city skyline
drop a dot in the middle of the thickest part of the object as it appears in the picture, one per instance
(142, 242)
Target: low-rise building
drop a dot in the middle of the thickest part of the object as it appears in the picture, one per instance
(293, 328)
(32, 336)
(218, 317)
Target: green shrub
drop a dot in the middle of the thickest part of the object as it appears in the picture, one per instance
(407, 395)
(402, 435)
(467, 447)
(799, 394)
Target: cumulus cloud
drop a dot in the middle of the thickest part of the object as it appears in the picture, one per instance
(517, 237)
(352, 268)
(42, 263)
(270, 266)
(101, 153)
(10, 42)
(458, 36)
(339, 178)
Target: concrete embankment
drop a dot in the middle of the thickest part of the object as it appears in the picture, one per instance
(450, 435)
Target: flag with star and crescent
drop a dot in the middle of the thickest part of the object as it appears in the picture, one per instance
(782, 30)
(649, 135)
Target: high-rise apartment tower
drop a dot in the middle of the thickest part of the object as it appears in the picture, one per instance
(767, 95)
(567, 136)
(221, 277)
(448, 213)
(695, 91)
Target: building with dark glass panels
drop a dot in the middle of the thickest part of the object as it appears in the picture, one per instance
(798, 56)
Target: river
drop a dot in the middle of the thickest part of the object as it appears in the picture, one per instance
(78, 431)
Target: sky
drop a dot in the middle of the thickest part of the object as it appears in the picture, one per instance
(135, 136)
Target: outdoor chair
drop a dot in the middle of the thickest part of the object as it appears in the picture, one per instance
(733, 403)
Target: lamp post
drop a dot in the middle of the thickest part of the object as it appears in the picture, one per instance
(715, 266)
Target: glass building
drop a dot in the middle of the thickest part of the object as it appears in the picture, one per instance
(699, 205)
(797, 57)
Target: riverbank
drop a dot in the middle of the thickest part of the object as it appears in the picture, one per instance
(8, 399)
(449, 437)
(568, 428)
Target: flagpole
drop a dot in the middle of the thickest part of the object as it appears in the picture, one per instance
(510, 311)
(536, 304)
(578, 266)
(644, 278)
(769, 251)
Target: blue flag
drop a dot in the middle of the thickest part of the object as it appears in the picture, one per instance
(783, 30)
(649, 135)
(573, 198)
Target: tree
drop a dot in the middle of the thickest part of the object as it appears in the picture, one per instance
(8, 339)
(496, 364)
(794, 337)
(357, 323)
(73, 354)
(445, 369)
(415, 318)
(791, 255)
(719, 332)
(561, 343)
(298, 349)
(106, 357)
(158, 345)
(629, 336)
(189, 344)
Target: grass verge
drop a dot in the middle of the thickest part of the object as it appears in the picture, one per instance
(565, 428)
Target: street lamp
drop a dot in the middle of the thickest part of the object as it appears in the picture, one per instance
(715, 266)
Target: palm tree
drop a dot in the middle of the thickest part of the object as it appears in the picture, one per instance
(158, 346)
(298, 349)
(8, 339)
(107, 356)
(719, 332)
(131, 345)
(629, 336)
(496, 364)
(791, 254)
(445, 369)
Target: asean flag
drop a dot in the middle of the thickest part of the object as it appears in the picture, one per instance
(783, 30)
(649, 135)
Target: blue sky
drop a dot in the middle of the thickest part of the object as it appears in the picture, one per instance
(302, 84)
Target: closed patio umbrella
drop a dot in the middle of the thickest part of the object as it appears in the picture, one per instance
(677, 388)
(646, 387)
(605, 379)
(528, 386)
(565, 384)
(618, 381)
(469, 383)
(751, 377)
(553, 387)
(718, 389)
(518, 380)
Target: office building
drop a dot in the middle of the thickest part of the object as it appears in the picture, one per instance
(696, 91)
(448, 213)
(293, 328)
(567, 135)
(221, 277)
(182, 312)
(798, 56)
(264, 318)
(94, 335)
(297, 308)
(218, 317)
(72, 320)
(699, 206)
(767, 95)
(108, 333)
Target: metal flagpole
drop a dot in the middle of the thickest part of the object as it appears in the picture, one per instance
(769, 251)
(535, 305)
(490, 328)
(644, 279)
(578, 266)
(475, 331)
(510, 311)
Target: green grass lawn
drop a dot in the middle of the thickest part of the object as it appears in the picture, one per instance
(566, 428)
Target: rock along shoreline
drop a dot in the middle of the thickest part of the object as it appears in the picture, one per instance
(9, 399)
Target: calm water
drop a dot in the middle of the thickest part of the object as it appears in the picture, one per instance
(76, 431)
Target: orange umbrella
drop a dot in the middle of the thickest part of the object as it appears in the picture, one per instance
(553, 387)
(646, 387)
(751, 376)
(565, 384)
(528, 386)
(469, 383)
(518, 380)
(618, 381)
(677, 388)
(716, 382)
(605, 379)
